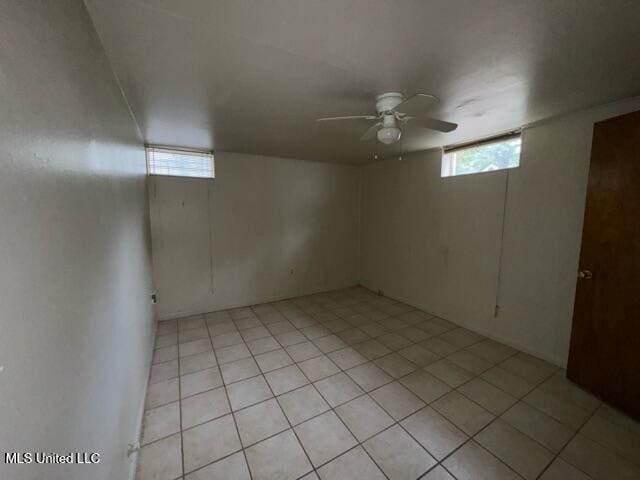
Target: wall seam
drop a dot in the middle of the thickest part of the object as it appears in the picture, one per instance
(501, 252)
(115, 75)
(209, 220)
(360, 207)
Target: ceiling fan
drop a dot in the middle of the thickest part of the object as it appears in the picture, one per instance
(394, 111)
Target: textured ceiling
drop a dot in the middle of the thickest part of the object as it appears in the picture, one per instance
(252, 75)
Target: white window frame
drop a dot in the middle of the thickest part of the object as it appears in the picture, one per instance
(447, 169)
(150, 149)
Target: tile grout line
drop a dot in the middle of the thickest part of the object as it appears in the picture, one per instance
(314, 468)
(365, 393)
(470, 437)
(419, 368)
(283, 413)
(496, 417)
(274, 396)
(331, 408)
(226, 393)
(180, 409)
(326, 354)
(566, 444)
(350, 345)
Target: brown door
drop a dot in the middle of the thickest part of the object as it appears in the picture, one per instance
(605, 341)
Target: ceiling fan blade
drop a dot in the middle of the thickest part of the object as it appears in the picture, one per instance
(416, 104)
(432, 124)
(351, 117)
(371, 132)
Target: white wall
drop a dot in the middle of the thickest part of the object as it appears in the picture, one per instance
(265, 228)
(435, 243)
(75, 319)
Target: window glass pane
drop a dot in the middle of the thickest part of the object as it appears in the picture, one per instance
(179, 163)
(482, 158)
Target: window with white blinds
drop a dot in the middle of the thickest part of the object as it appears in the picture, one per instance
(179, 163)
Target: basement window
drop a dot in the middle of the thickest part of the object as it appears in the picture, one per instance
(488, 155)
(175, 162)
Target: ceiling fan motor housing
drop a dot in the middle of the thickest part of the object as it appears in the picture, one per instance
(388, 101)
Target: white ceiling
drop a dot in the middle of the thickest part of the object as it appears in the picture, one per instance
(252, 75)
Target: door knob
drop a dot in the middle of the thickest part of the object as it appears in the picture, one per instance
(586, 274)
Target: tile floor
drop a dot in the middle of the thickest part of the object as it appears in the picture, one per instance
(347, 384)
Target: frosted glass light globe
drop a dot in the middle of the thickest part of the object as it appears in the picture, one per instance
(389, 135)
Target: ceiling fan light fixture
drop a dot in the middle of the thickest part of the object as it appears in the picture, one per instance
(394, 109)
(389, 135)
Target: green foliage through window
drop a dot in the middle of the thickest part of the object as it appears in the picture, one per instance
(482, 158)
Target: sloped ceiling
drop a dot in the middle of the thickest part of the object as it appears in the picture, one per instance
(252, 75)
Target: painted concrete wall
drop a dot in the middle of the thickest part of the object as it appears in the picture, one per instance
(76, 323)
(265, 228)
(435, 242)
